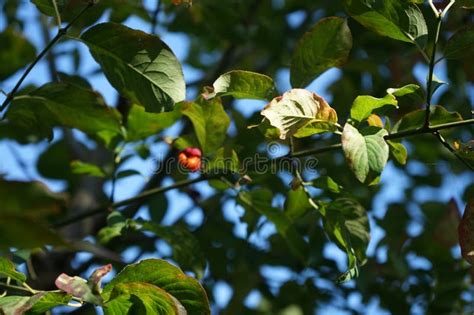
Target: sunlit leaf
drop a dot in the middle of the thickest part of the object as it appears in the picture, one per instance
(295, 109)
(7, 269)
(365, 154)
(83, 168)
(398, 151)
(364, 105)
(244, 84)
(167, 277)
(142, 298)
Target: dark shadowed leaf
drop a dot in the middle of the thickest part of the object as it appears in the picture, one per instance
(138, 65)
(415, 119)
(326, 45)
(168, 278)
(141, 125)
(15, 52)
(260, 201)
(67, 105)
(32, 199)
(461, 44)
(466, 233)
(347, 224)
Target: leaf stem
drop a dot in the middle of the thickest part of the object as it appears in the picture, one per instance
(429, 92)
(452, 150)
(56, 12)
(59, 35)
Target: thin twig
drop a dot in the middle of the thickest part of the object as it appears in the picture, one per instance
(154, 17)
(429, 92)
(59, 35)
(451, 149)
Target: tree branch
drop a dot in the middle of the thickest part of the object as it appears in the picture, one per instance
(155, 191)
(142, 196)
(59, 35)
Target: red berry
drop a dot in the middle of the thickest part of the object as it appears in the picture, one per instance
(190, 158)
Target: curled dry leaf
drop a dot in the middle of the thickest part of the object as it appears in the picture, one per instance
(296, 108)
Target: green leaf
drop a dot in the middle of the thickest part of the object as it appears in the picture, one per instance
(141, 125)
(396, 19)
(139, 65)
(142, 298)
(364, 105)
(466, 233)
(67, 105)
(7, 269)
(347, 224)
(326, 45)
(411, 90)
(461, 44)
(15, 52)
(48, 300)
(33, 233)
(259, 201)
(415, 119)
(326, 183)
(186, 248)
(398, 151)
(167, 277)
(244, 84)
(296, 203)
(38, 303)
(210, 123)
(224, 160)
(297, 108)
(83, 168)
(366, 155)
(33, 199)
